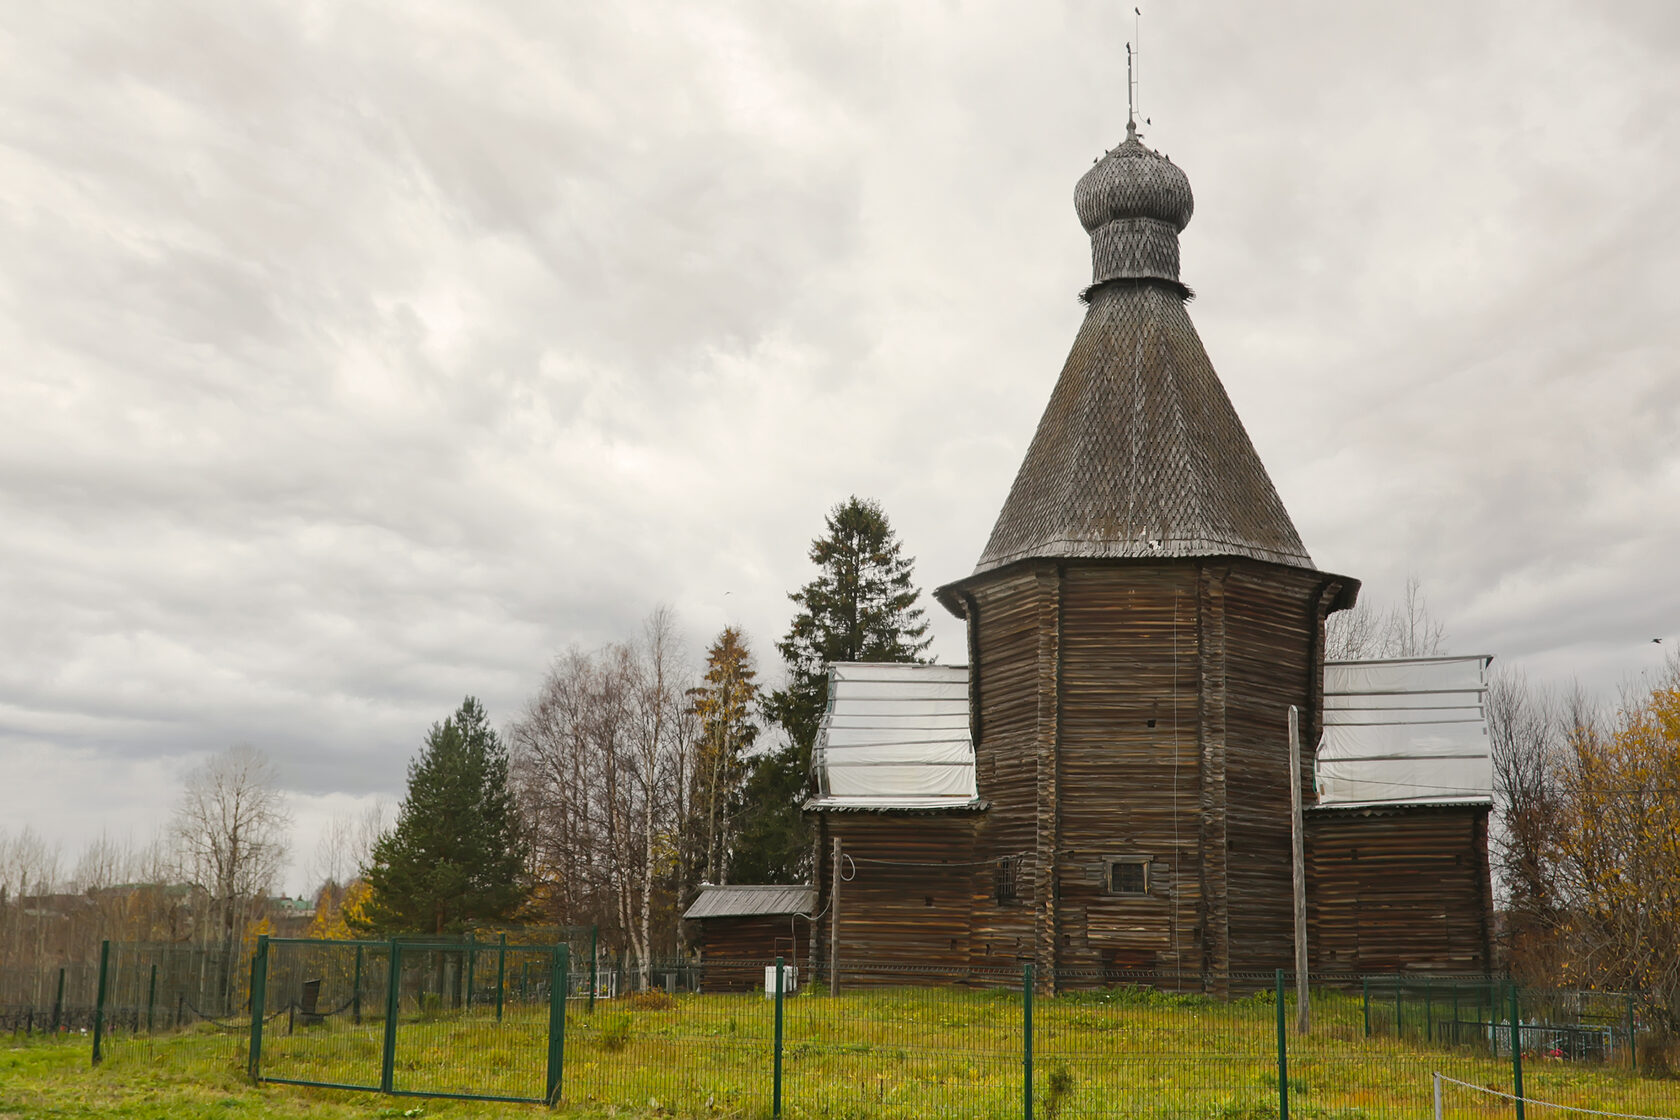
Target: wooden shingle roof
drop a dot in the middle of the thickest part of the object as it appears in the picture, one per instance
(1139, 453)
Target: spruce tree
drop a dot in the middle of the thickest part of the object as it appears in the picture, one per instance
(861, 607)
(456, 854)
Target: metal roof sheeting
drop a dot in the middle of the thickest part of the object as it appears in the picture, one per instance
(895, 736)
(1405, 731)
(749, 901)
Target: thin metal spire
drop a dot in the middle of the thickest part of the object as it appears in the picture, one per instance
(1131, 112)
(1134, 106)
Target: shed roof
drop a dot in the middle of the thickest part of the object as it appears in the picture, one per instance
(736, 901)
(1405, 731)
(895, 737)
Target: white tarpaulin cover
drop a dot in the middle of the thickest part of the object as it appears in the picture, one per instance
(895, 736)
(1408, 731)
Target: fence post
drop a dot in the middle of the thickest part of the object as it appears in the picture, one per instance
(393, 1006)
(1493, 1018)
(501, 973)
(594, 957)
(776, 1091)
(1026, 1041)
(1437, 1095)
(356, 989)
(58, 1002)
(472, 959)
(1428, 1009)
(1365, 999)
(1633, 1051)
(1398, 1032)
(1282, 1054)
(99, 1001)
(1516, 1050)
(558, 979)
(259, 1002)
(151, 997)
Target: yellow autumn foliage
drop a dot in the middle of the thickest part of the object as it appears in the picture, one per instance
(1618, 851)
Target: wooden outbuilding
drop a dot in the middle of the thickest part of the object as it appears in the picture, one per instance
(745, 928)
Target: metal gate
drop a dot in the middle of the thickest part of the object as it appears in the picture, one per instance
(413, 1017)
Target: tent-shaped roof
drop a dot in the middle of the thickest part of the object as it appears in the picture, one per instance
(1408, 731)
(1140, 453)
(895, 737)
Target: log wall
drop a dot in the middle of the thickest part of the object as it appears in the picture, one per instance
(1139, 710)
(1007, 620)
(1129, 768)
(907, 901)
(735, 951)
(1272, 633)
(1399, 889)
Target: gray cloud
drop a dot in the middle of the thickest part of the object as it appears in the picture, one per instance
(364, 356)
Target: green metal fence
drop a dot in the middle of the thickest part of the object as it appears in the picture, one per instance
(150, 986)
(493, 1020)
(1472, 1012)
(144, 992)
(48, 1000)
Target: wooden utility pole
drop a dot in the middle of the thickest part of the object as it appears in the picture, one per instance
(834, 925)
(1298, 858)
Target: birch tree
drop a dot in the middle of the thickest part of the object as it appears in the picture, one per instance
(604, 778)
(1405, 629)
(657, 695)
(233, 826)
(1526, 733)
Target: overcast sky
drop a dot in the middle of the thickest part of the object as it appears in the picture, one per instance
(362, 356)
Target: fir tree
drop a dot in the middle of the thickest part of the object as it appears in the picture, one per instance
(456, 854)
(861, 607)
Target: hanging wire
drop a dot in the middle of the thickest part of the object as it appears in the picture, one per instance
(936, 863)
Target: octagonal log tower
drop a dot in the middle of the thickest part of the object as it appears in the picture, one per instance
(1139, 623)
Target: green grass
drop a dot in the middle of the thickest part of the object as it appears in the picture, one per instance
(893, 1053)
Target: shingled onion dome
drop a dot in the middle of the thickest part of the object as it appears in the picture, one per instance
(1134, 203)
(1139, 454)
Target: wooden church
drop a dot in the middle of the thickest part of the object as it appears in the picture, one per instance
(1104, 791)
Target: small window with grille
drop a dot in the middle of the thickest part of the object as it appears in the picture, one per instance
(1128, 876)
(1008, 880)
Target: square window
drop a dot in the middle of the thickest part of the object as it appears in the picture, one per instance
(1128, 876)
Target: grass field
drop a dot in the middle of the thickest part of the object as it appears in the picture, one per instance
(894, 1053)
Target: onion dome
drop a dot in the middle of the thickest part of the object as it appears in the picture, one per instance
(1134, 203)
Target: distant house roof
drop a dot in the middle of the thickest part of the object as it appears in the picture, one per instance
(1405, 731)
(895, 737)
(749, 901)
